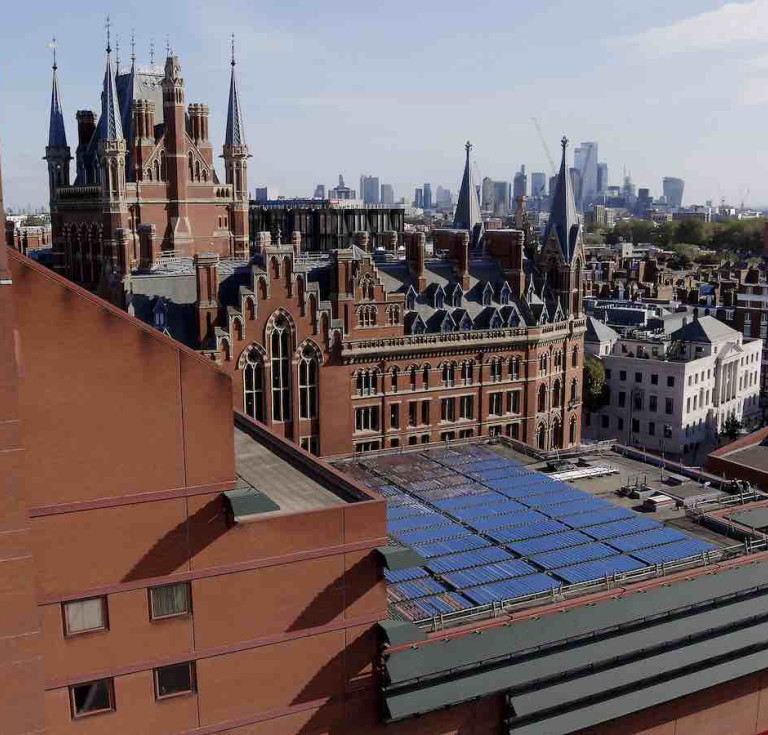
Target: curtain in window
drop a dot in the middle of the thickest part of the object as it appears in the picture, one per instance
(84, 615)
(172, 599)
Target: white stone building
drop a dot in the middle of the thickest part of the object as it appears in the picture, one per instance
(672, 393)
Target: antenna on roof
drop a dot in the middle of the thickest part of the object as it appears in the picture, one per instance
(117, 53)
(108, 26)
(133, 46)
(233, 49)
(53, 45)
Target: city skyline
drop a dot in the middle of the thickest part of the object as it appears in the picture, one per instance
(294, 110)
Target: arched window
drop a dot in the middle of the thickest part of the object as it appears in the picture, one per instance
(191, 166)
(487, 294)
(439, 299)
(393, 377)
(308, 384)
(366, 287)
(556, 394)
(163, 168)
(366, 316)
(575, 357)
(467, 372)
(572, 431)
(238, 329)
(495, 367)
(542, 399)
(425, 377)
(413, 378)
(574, 391)
(253, 386)
(410, 299)
(557, 434)
(280, 362)
(514, 368)
(541, 437)
(157, 170)
(394, 315)
(543, 364)
(448, 373)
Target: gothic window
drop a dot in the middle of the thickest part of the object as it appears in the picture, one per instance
(439, 298)
(574, 391)
(575, 357)
(458, 294)
(487, 294)
(542, 399)
(466, 323)
(280, 362)
(238, 329)
(308, 384)
(449, 372)
(514, 319)
(366, 316)
(514, 368)
(253, 386)
(556, 394)
(413, 378)
(496, 321)
(149, 174)
(394, 315)
(366, 287)
(505, 292)
(541, 437)
(191, 166)
(394, 375)
(163, 167)
(447, 324)
(367, 382)
(410, 299)
(543, 364)
(197, 170)
(572, 431)
(467, 372)
(157, 170)
(425, 376)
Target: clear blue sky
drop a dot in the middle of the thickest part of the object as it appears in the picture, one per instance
(395, 88)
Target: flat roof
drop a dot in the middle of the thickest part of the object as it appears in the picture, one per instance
(755, 456)
(287, 485)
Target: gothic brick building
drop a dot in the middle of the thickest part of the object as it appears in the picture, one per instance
(352, 353)
(144, 186)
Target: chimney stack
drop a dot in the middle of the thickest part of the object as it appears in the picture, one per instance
(86, 125)
(207, 303)
(414, 245)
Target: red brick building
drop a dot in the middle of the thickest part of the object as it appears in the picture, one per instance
(349, 352)
(144, 185)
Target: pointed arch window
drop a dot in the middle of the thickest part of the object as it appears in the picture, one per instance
(394, 315)
(487, 294)
(505, 293)
(458, 295)
(467, 372)
(439, 298)
(449, 373)
(394, 376)
(280, 370)
(425, 377)
(542, 399)
(308, 367)
(413, 378)
(575, 357)
(496, 321)
(556, 394)
(574, 391)
(410, 299)
(572, 431)
(253, 386)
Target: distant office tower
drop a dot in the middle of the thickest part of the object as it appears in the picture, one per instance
(521, 183)
(576, 185)
(342, 191)
(418, 199)
(387, 194)
(319, 191)
(443, 197)
(538, 184)
(501, 198)
(486, 196)
(673, 191)
(427, 196)
(602, 178)
(262, 194)
(585, 161)
(369, 189)
(552, 182)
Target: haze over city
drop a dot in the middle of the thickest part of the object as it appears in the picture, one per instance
(666, 90)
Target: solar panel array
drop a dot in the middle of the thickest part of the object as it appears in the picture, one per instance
(490, 529)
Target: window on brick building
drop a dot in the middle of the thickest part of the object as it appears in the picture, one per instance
(542, 403)
(280, 362)
(84, 616)
(175, 679)
(393, 379)
(449, 372)
(367, 418)
(466, 407)
(495, 367)
(556, 394)
(92, 697)
(425, 377)
(495, 404)
(170, 600)
(513, 401)
(308, 366)
(413, 378)
(425, 412)
(467, 372)
(575, 357)
(253, 386)
(394, 416)
(412, 413)
(448, 409)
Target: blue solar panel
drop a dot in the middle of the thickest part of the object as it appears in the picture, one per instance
(427, 535)
(623, 527)
(599, 516)
(451, 546)
(585, 505)
(676, 550)
(593, 570)
(508, 520)
(388, 490)
(505, 535)
(550, 542)
(416, 588)
(406, 511)
(555, 499)
(426, 607)
(490, 573)
(572, 555)
(425, 520)
(404, 575)
(647, 539)
(478, 557)
(509, 589)
(493, 508)
(468, 501)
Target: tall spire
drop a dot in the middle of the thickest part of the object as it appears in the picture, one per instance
(563, 222)
(57, 136)
(467, 215)
(112, 127)
(235, 133)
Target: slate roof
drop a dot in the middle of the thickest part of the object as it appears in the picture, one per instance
(235, 131)
(598, 331)
(706, 329)
(467, 215)
(57, 136)
(563, 220)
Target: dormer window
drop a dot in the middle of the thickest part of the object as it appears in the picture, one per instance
(496, 321)
(447, 324)
(458, 295)
(514, 319)
(466, 324)
(410, 299)
(160, 315)
(439, 298)
(506, 292)
(487, 294)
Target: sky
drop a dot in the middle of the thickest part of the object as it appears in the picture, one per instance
(395, 89)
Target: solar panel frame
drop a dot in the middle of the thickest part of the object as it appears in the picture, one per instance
(598, 568)
(673, 551)
(623, 527)
(509, 589)
(584, 520)
(572, 556)
(550, 542)
(466, 559)
(636, 541)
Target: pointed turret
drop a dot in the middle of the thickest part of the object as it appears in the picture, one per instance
(236, 164)
(563, 224)
(57, 152)
(110, 123)
(467, 215)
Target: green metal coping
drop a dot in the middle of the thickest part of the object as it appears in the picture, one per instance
(399, 557)
(400, 632)
(246, 502)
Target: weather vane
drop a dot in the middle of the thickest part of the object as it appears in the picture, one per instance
(108, 26)
(233, 50)
(564, 142)
(133, 45)
(152, 52)
(52, 45)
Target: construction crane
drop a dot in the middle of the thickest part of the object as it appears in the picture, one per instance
(544, 145)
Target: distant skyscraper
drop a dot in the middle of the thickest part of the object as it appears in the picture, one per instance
(262, 194)
(342, 191)
(369, 189)
(319, 191)
(427, 196)
(520, 188)
(552, 182)
(538, 184)
(443, 197)
(585, 160)
(673, 190)
(602, 178)
(486, 196)
(576, 185)
(501, 198)
(387, 194)
(418, 199)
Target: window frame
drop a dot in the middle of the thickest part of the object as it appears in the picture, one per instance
(153, 618)
(104, 614)
(186, 692)
(110, 693)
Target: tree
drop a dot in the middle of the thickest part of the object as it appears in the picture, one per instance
(732, 427)
(690, 231)
(595, 388)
